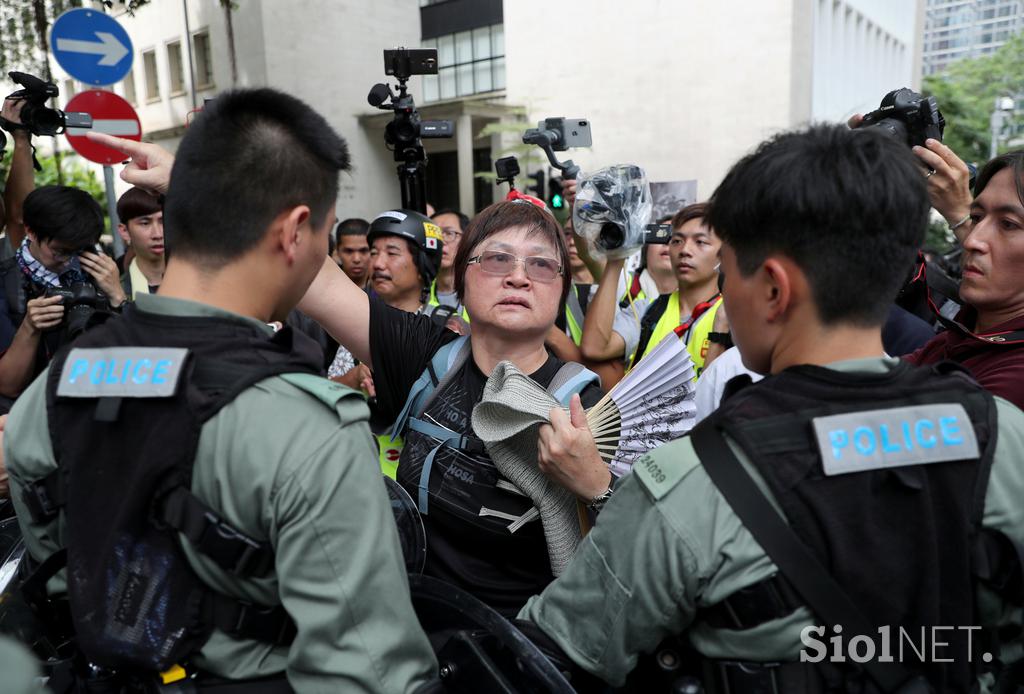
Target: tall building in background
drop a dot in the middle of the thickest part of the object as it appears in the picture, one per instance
(956, 29)
(683, 89)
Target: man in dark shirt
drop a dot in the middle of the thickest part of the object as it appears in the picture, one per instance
(988, 335)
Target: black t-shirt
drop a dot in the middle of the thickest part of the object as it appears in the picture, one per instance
(474, 552)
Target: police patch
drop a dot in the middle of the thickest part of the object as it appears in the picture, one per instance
(894, 437)
(121, 372)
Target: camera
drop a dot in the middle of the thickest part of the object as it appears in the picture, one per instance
(658, 233)
(907, 116)
(557, 135)
(36, 116)
(507, 168)
(81, 301)
(612, 208)
(404, 133)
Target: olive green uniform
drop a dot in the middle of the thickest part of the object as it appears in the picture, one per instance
(668, 544)
(291, 461)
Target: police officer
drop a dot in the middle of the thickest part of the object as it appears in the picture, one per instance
(221, 510)
(899, 485)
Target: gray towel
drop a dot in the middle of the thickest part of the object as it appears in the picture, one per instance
(507, 420)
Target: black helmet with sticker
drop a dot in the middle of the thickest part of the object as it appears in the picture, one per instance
(418, 230)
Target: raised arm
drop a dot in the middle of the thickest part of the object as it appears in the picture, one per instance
(342, 308)
(20, 178)
(599, 341)
(333, 301)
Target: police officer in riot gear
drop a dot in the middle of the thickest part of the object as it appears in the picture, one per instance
(216, 503)
(899, 486)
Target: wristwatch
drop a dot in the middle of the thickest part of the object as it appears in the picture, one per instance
(724, 339)
(598, 502)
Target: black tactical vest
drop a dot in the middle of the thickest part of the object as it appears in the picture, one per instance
(125, 470)
(898, 540)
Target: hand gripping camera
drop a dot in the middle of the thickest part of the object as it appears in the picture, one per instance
(83, 304)
(36, 116)
(611, 211)
(907, 116)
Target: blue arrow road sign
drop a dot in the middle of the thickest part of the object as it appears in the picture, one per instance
(91, 46)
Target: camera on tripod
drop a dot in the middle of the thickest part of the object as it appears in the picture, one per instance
(406, 130)
(36, 116)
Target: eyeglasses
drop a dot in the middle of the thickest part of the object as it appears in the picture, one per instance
(62, 254)
(450, 235)
(538, 268)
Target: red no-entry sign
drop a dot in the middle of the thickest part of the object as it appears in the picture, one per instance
(111, 115)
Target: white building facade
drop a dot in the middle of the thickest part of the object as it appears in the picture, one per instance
(680, 87)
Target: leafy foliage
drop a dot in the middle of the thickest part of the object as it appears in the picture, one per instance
(25, 25)
(967, 91)
(74, 174)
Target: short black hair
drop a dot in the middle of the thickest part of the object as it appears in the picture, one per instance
(136, 202)
(463, 219)
(61, 213)
(1011, 160)
(248, 156)
(354, 226)
(849, 207)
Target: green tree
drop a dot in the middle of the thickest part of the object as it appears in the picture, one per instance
(74, 174)
(967, 91)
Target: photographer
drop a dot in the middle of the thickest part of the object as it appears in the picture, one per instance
(49, 276)
(695, 303)
(986, 336)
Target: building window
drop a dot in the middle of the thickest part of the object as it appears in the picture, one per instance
(204, 63)
(152, 81)
(469, 62)
(175, 67)
(129, 88)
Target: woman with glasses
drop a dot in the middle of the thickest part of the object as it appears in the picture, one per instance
(511, 275)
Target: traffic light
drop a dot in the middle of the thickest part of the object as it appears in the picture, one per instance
(537, 189)
(555, 186)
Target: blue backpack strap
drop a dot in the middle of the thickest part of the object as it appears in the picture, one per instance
(571, 378)
(443, 365)
(439, 366)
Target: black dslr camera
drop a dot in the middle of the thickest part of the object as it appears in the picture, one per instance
(404, 133)
(36, 116)
(907, 116)
(81, 302)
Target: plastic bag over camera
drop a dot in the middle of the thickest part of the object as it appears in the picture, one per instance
(612, 209)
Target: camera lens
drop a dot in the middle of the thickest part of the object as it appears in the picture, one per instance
(894, 128)
(611, 236)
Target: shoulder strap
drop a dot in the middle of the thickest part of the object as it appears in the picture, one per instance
(14, 288)
(569, 379)
(819, 590)
(445, 362)
(650, 319)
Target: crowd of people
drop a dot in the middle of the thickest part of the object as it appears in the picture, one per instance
(209, 437)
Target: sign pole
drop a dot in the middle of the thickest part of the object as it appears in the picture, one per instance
(108, 178)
